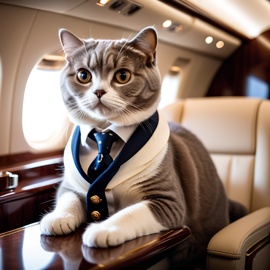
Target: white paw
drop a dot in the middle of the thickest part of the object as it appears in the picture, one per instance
(58, 224)
(99, 235)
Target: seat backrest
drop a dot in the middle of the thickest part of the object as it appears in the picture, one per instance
(236, 132)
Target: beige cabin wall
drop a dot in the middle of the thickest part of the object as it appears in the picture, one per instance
(15, 26)
(30, 34)
(196, 76)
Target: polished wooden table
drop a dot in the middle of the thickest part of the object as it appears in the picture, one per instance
(25, 248)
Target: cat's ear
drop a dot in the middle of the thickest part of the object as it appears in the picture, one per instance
(69, 42)
(146, 42)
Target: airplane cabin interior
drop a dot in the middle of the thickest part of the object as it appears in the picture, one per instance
(214, 63)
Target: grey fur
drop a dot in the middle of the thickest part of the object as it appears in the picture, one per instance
(186, 189)
(103, 58)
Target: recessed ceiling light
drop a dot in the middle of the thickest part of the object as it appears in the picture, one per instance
(102, 3)
(175, 68)
(167, 23)
(220, 44)
(209, 40)
(50, 57)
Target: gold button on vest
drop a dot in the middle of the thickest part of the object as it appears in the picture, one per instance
(95, 215)
(95, 199)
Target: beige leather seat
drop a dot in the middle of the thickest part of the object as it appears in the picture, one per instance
(236, 132)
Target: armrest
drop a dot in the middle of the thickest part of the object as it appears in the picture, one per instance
(228, 247)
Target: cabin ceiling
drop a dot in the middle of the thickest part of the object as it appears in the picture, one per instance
(250, 17)
(58, 6)
(154, 12)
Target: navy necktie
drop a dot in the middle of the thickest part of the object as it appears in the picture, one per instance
(103, 160)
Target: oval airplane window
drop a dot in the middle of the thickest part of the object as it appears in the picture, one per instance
(170, 86)
(44, 115)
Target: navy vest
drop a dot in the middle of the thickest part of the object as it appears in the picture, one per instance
(96, 203)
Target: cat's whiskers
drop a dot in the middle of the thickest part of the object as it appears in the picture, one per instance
(119, 54)
(131, 48)
(134, 105)
(114, 102)
(87, 104)
(119, 111)
(144, 124)
(85, 48)
(71, 48)
(67, 123)
(66, 129)
(129, 114)
(128, 47)
(77, 112)
(133, 108)
(60, 51)
(91, 30)
(122, 116)
(138, 108)
(119, 103)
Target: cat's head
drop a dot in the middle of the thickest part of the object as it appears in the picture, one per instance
(115, 81)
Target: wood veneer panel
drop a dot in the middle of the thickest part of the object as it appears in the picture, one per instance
(25, 211)
(19, 246)
(26, 157)
(33, 179)
(34, 195)
(251, 59)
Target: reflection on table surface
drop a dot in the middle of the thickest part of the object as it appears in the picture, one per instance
(27, 249)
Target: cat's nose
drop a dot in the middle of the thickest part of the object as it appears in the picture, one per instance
(99, 93)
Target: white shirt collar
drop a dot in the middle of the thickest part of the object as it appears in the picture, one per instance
(124, 132)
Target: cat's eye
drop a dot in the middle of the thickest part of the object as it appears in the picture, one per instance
(84, 76)
(122, 76)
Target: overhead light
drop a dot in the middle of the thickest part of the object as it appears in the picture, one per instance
(209, 40)
(175, 68)
(220, 44)
(102, 3)
(52, 62)
(167, 23)
(50, 57)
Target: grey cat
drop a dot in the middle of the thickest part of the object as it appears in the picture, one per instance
(169, 182)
